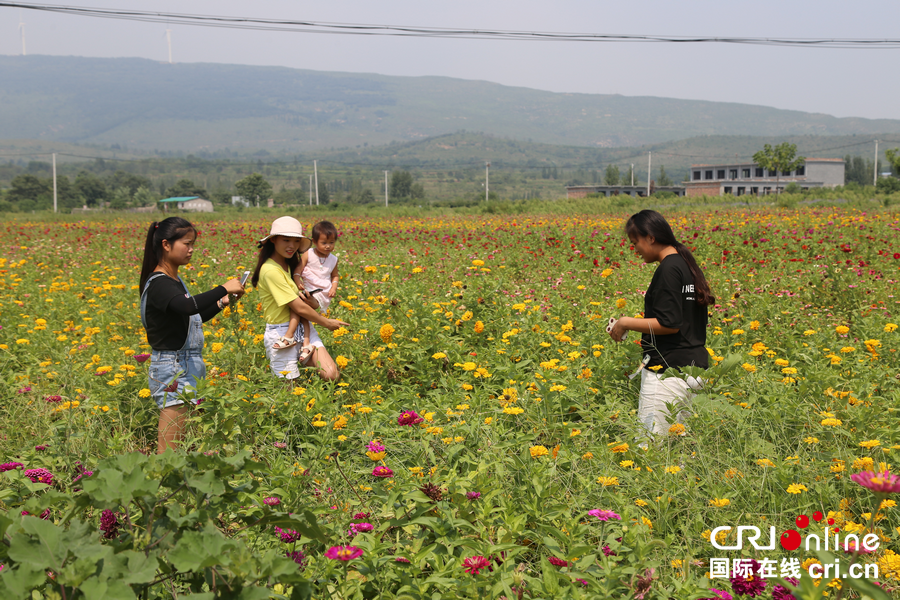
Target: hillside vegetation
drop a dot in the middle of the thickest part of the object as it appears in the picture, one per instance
(195, 107)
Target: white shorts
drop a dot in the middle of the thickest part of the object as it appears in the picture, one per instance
(657, 391)
(284, 361)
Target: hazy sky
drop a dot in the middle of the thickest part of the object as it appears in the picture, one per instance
(839, 82)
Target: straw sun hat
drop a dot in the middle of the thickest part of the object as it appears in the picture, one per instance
(288, 227)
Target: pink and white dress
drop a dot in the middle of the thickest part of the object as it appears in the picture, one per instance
(317, 274)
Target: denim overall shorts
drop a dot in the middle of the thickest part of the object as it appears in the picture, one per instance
(174, 374)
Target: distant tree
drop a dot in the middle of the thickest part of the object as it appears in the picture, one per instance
(91, 187)
(611, 177)
(144, 197)
(120, 198)
(367, 197)
(859, 170)
(887, 185)
(185, 187)
(122, 179)
(401, 184)
(663, 179)
(781, 159)
(324, 194)
(254, 188)
(28, 187)
(893, 157)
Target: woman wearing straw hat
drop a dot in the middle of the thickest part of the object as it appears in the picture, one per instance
(279, 255)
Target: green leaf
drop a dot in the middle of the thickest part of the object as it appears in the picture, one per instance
(38, 545)
(551, 581)
(18, 583)
(199, 549)
(109, 589)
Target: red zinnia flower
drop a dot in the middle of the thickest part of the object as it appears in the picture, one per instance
(409, 417)
(474, 564)
(141, 357)
(382, 471)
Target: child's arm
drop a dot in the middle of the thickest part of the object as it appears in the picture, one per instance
(335, 277)
(298, 272)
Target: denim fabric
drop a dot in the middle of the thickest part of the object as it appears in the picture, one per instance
(174, 374)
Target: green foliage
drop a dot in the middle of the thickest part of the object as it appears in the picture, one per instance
(663, 180)
(403, 185)
(893, 158)
(254, 188)
(611, 176)
(781, 159)
(184, 188)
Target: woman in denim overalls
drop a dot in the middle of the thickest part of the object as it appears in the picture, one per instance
(174, 320)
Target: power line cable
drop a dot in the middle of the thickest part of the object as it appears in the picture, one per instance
(324, 27)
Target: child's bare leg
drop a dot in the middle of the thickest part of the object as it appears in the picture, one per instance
(292, 326)
(306, 329)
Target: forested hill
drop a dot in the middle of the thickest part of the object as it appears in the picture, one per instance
(146, 105)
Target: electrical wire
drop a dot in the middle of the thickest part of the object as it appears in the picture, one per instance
(324, 27)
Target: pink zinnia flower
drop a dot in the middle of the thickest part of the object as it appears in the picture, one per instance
(10, 466)
(297, 556)
(474, 564)
(882, 483)
(401, 559)
(280, 445)
(53, 398)
(604, 515)
(288, 536)
(409, 417)
(361, 515)
(40, 448)
(382, 471)
(343, 552)
(24, 390)
(719, 595)
(557, 562)
(39, 476)
(271, 501)
(375, 447)
(141, 357)
(473, 495)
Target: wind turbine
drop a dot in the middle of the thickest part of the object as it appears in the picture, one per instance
(22, 31)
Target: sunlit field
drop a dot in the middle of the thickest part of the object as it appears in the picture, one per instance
(482, 440)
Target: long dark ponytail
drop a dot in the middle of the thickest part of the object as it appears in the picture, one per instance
(650, 223)
(266, 250)
(171, 229)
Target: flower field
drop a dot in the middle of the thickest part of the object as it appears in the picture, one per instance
(482, 440)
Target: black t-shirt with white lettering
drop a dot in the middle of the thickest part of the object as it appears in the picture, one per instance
(671, 299)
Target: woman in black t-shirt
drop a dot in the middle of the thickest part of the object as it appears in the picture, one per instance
(673, 330)
(174, 320)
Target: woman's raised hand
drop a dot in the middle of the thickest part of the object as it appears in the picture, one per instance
(233, 286)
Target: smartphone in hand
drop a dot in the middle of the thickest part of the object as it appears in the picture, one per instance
(245, 277)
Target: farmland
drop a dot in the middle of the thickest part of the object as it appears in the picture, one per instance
(520, 473)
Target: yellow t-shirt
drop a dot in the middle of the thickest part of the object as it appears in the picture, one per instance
(276, 292)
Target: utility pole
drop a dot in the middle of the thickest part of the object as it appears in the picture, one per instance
(875, 168)
(316, 173)
(649, 172)
(169, 41)
(54, 182)
(22, 31)
(310, 190)
(385, 189)
(632, 174)
(487, 180)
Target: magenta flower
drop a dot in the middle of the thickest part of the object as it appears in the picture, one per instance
(24, 390)
(40, 476)
(557, 562)
(343, 553)
(474, 564)
(473, 495)
(271, 501)
(401, 559)
(719, 595)
(360, 528)
(375, 447)
(297, 556)
(749, 585)
(10, 466)
(53, 398)
(409, 417)
(582, 582)
(880, 483)
(382, 471)
(141, 357)
(782, 593)
(288, 536)
(109, 524)
(40, 447)
(361, 515)
(604, 515)
(280, 445)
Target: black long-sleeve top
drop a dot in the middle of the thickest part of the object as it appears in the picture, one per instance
(169, 310)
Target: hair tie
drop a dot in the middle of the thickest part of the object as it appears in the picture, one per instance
(156, 226)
